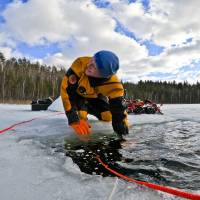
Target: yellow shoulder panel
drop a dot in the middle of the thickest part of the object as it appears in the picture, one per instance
(79, 65)
(114, 78)
(64, 95)
(112, 88)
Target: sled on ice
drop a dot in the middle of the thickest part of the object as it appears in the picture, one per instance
(143, 107)
(41, 104)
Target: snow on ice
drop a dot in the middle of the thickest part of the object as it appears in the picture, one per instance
(30, 170)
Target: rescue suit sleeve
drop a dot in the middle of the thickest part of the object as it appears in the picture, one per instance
(71, 112)
(69, 96)
(69, 90)
(119, 116)
(64, 95)
(81, 127)
(114, 90)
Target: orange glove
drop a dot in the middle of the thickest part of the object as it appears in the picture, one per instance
(81, 127)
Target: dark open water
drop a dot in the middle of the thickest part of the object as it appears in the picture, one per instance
(167, 153)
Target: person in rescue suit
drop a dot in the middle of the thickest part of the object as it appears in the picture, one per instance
(90, 86)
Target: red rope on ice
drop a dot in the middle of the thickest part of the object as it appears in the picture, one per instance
(23, 122)
(174, 191)
(166, 189)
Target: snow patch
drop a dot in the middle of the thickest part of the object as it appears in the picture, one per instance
(57, 105)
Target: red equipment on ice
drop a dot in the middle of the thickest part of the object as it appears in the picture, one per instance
(143, 107)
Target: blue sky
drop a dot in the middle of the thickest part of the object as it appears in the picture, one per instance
(3, 5)
(40, 51)
(153, 49)
(156, 41)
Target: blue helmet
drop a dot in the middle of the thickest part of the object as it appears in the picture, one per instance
(107, 63)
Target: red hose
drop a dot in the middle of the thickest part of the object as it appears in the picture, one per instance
(23, 122)
(169, 190)
(12, 126)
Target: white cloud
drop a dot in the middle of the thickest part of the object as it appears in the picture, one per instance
(167, 22)
(6, 51)
(57, 59)
(87, 29)
(7, 45)
(36, 20)
(60, 20)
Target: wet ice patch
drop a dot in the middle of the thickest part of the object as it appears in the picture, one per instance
(33, 156)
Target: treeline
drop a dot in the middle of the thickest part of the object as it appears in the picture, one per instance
(164, 92)
(21, 80)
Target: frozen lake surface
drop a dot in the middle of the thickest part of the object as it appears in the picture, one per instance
(43, 159)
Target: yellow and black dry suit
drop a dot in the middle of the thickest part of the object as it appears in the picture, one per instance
(101, 97)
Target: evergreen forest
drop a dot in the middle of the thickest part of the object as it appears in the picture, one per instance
(21, 81)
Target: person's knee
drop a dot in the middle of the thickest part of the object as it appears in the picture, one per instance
(106, 116)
